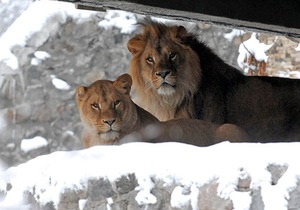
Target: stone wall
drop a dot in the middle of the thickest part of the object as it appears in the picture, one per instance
(282, 56)
(122, 194)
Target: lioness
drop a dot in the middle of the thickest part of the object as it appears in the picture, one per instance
(108, 114)
(177, 76)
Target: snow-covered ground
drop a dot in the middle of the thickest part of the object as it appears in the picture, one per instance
(185, 165)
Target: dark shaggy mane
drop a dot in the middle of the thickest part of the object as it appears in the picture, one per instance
(267, 108)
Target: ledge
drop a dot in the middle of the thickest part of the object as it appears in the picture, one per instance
(276, 16)
(159, 176)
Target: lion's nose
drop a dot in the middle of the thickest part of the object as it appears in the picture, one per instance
(109, 122)
(163, 74)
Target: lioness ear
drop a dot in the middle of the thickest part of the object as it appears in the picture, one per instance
(123, 83)
(80, 92)
(136, 44)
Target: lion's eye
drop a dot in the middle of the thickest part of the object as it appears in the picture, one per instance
(172, 56)
(95, 106)
(116, 103)
(150, 60)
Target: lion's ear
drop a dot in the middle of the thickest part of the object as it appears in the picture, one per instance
(123, 83)
(136, 44)
(80, 92)
(180, 32)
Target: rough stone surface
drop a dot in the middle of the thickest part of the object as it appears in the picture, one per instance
(102, 194)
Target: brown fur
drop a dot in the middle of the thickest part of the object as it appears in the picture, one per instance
(184, 70)
(203, 86)
(127, 118)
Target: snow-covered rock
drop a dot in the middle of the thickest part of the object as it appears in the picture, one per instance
(252, 47)
(159, 176)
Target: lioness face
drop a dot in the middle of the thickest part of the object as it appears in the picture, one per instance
(103, 106)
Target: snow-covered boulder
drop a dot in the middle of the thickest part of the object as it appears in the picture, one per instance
(159, 176)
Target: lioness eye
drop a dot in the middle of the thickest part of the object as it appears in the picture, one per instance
(172, 56)
(150, 60)
(95, 106)
(116, 103)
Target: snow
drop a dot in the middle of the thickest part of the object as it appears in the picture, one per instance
(39, 57)
(234, 33)
(119, 19)
(42, 55)
(19, 32)
(127, 22)
(82, 203)
(170, 162)
(182, 197)
(298, 47)
(254, 47)
(59, 83)
(31, 144)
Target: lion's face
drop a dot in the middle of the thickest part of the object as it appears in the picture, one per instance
(105, 107)
(161, 67)
(164, 69)
(162, 60)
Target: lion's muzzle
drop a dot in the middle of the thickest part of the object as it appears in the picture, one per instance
(163, 74)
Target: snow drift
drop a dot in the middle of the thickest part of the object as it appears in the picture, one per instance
(159, 176)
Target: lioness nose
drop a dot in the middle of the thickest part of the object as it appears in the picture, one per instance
(109, 122)
(163, 74)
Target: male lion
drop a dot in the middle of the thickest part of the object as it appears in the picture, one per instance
(108, 114)
(177, 76)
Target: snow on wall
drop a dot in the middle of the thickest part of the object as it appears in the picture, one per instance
(226, 175)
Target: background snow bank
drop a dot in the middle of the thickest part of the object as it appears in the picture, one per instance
(19, 31)
(243, 176)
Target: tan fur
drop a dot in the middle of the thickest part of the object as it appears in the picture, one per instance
(136, 124)
(114, 106)
(161, 99)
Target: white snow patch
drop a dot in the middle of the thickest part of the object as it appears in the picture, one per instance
(110, 201)
(298, 47)
(144, 195)
(39, 57)
(234, 33)
(120, 19)
(241, 200)
(59, 83)
(37, 142)
(254, 47)
(82, 203)
(38, 15)
(183, 198)
(42, 55)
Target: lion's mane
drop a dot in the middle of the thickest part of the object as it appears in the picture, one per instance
(177, 76)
